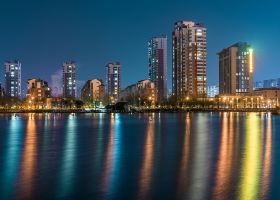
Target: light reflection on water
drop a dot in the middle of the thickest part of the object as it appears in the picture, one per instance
(29, 160)
(251, 161)
(225, 157)
(184, 160)
(191, 155)
(111, 167)
(147, 162)
(200, 162)
(11, 157)
(267, 159)
(69, 159)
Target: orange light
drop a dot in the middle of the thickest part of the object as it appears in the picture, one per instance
(251, 65)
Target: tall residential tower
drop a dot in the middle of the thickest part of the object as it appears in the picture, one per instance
(113, 81)
(236, 67)
(157, 55)
(13, 78)
(69, 79)
(188, 60)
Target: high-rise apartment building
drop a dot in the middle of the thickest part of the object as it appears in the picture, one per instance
(113, 81)
(69, 79)
(13, 78)
(2, 91)
(236, 67)
(157, 56)
(188, 60)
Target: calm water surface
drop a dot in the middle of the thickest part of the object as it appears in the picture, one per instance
(140, 156)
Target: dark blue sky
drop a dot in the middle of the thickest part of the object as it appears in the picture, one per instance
(44, 33)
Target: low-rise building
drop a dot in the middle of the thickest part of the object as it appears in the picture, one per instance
(93, 92)
(269, 83)
(37, 93)
(143, 93)
(270, 95)
(240, 101)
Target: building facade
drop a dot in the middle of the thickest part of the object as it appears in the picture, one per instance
(37, 93)
(236, 67)
(258, 84)
(142, 93)
(270, 83)
(93, 92)
(69, 79)
(188, 60)
(2, 91)
(157, 57)
(270, 96)
(13, 78)
(56, 84)
(113, 81)
(79, 86)
(212, 90)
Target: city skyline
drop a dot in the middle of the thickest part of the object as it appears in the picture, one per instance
(147, 99)
(43, 43)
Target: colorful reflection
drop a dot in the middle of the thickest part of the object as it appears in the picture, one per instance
(12, 157)
(267, 159)
(147, 163)
(251, 163)
(69, 157)
(45, 139)
(184, 163)
(111, 167)
(29, 160)
(200, 158)
(99, 144)
(225, 157)
(236, 163)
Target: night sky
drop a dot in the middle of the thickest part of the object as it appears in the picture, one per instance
(44, 33)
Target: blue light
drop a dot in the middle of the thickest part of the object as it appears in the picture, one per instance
(69, 157)
(13, 154)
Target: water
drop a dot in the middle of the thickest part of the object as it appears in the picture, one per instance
(140, 156)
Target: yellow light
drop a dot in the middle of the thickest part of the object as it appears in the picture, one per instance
(251, 162)
(251, 67)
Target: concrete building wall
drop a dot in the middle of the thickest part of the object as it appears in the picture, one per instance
(13, 78)
(188, 60)
(235, 75)
(69, 79)
(113, 81)
(157, 57)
